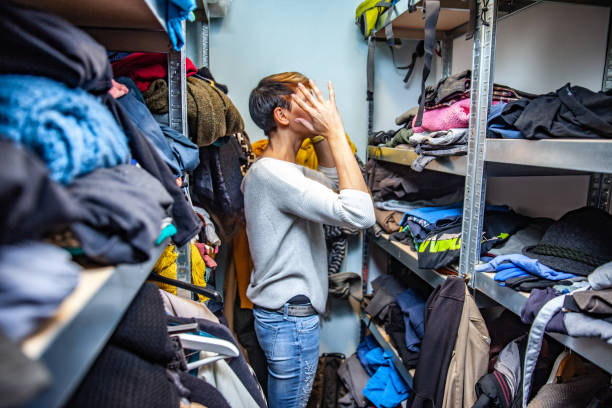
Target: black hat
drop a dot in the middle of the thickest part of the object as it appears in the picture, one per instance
(578, 243)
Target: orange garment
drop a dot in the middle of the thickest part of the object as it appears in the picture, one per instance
(306, 156)
(243, 263)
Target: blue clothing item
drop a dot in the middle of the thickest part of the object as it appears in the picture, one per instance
(412, 306)
(498, 128)
(141, 116)
(368, 344)
(178, 11)
(68, 129)
(291, 346)
(34, 279)
(507, 271)
(185, 152)
(385, 389)
(431, 215)
(513, 265)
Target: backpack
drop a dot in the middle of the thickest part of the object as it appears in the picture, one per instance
(368, 13)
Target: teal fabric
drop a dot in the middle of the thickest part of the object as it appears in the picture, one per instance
(168, 231)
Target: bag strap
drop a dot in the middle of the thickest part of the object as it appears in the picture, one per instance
(390, 38)
(432, 11)
(419, 51)
(370, 83)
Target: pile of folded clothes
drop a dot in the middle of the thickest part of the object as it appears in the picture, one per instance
(443, 130)
(569, 112)
(553, 254)
(425, 211)
(66, 186)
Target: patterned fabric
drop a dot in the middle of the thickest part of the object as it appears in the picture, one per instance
(500, 93)
(337, 243)
(245, 145)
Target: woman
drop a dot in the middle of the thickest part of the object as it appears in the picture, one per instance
(286, 206)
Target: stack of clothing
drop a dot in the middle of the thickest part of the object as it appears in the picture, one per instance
(569, 112)
(444, 127)
(583, 312)
(401, 311)
(425, 212)
(385, 388)
(396, 187)
(211, 114)
(554, 254)
(83, 178)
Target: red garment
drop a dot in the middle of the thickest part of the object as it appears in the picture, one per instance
(145, 67)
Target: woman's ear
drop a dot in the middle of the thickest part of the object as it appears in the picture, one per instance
(280, 116)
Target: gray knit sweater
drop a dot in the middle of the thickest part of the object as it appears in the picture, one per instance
(286, 206)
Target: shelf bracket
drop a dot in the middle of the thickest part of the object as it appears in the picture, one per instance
(600, 189)
(475, 177)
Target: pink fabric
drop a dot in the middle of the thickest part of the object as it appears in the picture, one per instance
(210, 262)
(455, 116)
(204, 252)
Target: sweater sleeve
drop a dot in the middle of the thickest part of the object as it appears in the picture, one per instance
(306, 198)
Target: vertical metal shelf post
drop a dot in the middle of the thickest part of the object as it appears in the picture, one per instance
(204, 48)
(475, 177)
(177, 119)
(447, 55)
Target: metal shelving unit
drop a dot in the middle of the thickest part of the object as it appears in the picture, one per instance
(380, 336)
(497, 158)
(595, 350)
(70, 344)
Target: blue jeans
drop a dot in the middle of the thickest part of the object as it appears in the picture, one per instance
(291, 346)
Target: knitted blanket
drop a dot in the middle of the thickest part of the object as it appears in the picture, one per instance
(68, 129)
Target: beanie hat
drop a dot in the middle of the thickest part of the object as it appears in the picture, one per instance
(578, 243)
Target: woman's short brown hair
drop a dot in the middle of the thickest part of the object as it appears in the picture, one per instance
(270, 93)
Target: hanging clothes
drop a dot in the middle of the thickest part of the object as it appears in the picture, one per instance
(166, 266)
(187, 223)
(470, 357)
(443, 312)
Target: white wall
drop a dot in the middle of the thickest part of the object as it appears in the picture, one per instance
(539, 50)
(542, 48)
(316, 37)
(391, 96)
